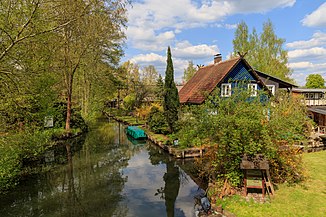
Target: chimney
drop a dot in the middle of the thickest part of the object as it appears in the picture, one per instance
(217, 58)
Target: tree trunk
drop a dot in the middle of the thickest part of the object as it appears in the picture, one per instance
(69, 93)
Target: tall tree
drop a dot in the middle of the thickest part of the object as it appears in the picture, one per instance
(265, 52)
(171, 102)
(241, 39)
(150, 75)
(94, 35)
(315, 81)
(159, 90)
(26, 80)
(189, 72)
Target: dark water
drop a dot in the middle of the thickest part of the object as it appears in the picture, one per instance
(106, 175)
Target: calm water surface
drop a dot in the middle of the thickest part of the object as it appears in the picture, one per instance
(107, 174)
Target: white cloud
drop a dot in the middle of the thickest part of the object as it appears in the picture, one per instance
(149, 59)
(300, 65)
(185, 50)
(311, 53)
(159, 62)
(318, 39)
(317, 18)
(147, 39)
(307, 57)
(305, 68)
(254, 6)
(224, 25)
(148, 18)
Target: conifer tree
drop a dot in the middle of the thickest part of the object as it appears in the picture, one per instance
(171, 98)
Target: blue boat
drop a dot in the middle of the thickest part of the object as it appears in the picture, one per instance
(135, 132)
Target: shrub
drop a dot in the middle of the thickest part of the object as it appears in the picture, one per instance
(156, 121)
(129, 102)
(241, 125)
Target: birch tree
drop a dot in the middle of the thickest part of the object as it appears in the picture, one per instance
(265, 52)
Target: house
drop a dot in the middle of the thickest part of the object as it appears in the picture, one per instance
(315, 100)
(274, 84)
(311, 97)
(225, 75)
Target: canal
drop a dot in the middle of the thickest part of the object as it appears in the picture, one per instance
(104, 173)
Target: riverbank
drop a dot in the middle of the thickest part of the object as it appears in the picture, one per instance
(20, 150)
(163, 141)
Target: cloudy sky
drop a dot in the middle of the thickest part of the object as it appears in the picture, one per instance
(198, 29)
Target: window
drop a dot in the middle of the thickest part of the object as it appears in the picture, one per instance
(306, 95)
(226, 90)
(252, 89)
(271, 88)
(321, 95)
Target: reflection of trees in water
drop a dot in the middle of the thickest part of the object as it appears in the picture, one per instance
(90, 184)
(96, 181)
(172, 179)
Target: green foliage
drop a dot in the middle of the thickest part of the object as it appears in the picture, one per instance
(129, 102)
(10, 165)
(59, 113)
(157, 122)
(189, 72)
(150, 75)
(265, 52)
(315, 81)
(171, 97)
(17, 149)
(240, 125)
(71, 47)
(159, 90)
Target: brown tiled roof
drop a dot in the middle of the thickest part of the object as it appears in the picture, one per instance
(204, 81)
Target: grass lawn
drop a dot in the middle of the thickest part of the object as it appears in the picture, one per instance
(132, 120)
(306, 199)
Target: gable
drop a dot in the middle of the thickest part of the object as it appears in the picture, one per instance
(241, 73)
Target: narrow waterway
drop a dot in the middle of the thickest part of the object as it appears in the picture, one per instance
(106, 174)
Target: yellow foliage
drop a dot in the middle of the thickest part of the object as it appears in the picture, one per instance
(144, 110)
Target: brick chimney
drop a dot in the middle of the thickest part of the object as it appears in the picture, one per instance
(217, 58)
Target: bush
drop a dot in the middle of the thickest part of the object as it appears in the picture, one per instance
(129, 102)
(156, 121)
(60, 114)
(17, 149)
(241, 125)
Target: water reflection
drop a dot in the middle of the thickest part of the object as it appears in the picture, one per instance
(105, 175)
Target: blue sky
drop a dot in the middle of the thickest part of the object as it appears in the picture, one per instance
(197, 29)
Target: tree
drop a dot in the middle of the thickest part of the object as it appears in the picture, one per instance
(315, 81)
(25, 69)
(94, 35)
(159, 90)
(67, 45)
(171, 102)
(264, 52)
(150, 75)
(189, 72)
